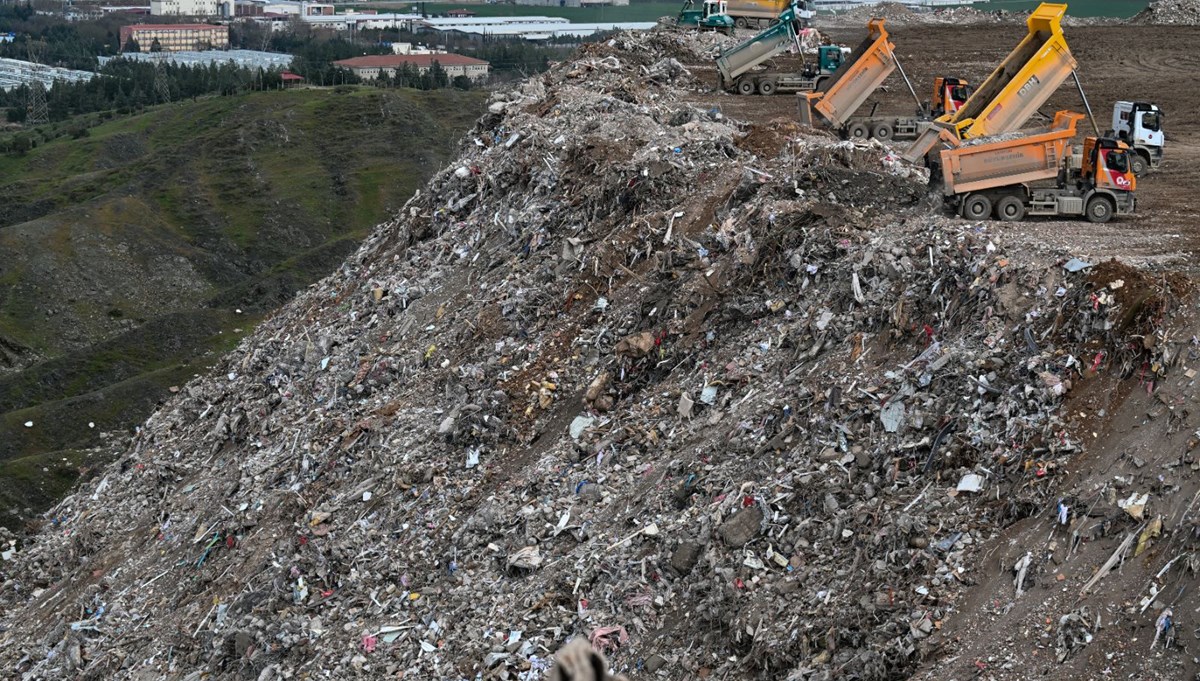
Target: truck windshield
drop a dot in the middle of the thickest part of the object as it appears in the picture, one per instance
(1116, 160)
(1150, 120)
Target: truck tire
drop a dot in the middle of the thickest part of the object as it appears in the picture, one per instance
(741, 22)
(745, 86)
(766, 86)
(1010, 209)
(976, 207)
(858, 131)
(882, 132)
(820, 83)
(1139, 164)
(1099, 209)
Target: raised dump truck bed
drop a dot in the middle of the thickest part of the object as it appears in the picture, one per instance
(739, 70)
(1015, 90)
(868, 66)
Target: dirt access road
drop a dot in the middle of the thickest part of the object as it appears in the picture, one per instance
(1153, 63)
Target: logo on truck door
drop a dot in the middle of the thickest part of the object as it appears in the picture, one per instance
(1029, 85)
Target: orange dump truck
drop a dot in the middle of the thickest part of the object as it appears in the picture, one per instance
(997, 176)
(841, 94)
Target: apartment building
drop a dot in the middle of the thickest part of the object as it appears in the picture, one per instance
(176, 37)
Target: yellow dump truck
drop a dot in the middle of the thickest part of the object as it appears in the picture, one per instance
(1015, 90)
(1000, 176)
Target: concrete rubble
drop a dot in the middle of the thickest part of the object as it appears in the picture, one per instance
(731, 401)
(1168, 12)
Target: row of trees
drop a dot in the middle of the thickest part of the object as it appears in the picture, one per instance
(126, 85)
(74, 45)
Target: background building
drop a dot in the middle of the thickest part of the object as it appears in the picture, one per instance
(369, 67)
(15, 73)
(191, 8)
(176, 37)
(250, 59)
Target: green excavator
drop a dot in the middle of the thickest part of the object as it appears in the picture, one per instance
(712, 15)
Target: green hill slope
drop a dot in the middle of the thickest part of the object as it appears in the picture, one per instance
(126, 255)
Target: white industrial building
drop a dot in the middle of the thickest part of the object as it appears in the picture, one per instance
(463, 23)
(15, 73)
(549, 31)
(573, 3)
(250, 59)
(840, 5)
(191, 8)
(360, 21)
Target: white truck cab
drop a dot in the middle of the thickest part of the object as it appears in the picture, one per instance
(1140, 125)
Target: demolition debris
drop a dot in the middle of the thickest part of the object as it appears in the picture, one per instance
(731, 401)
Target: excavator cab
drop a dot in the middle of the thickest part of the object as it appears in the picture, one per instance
(830, 57)
(949, 94)
(1108, 164)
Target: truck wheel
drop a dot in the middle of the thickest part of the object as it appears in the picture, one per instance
(766, 87)
(1099, 209)
(745, 86)
(882, 132)
(858, 131)
(820, 83)
(741, 22)
(1138, 164)
(977, 207)
(1010, 209)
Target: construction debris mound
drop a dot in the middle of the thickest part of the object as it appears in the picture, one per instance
(729, 401)
(1160, 12)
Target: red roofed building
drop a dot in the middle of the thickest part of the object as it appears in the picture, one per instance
(176, 37)
(291, 80)
(370, 66)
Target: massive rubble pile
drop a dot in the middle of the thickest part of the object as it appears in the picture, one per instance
(899, 15)
(732, 401)
(1181, 12)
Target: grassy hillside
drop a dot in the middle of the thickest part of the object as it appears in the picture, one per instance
(129, 257)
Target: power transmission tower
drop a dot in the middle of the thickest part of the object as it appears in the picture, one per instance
(161, 85)
(37, 113)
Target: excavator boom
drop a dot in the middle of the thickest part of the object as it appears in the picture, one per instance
(1015, 90)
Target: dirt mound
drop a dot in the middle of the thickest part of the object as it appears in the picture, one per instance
(1159, 12)
(729, 401)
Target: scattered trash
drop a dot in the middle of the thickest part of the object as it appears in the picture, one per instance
(1076, 265)
(1075, 630)
(970, 482)
(1134, 505)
